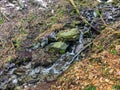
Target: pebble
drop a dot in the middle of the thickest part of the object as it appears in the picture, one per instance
(15, 81)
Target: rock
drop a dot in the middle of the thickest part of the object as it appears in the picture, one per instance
(44, 42)
(39, 3)
(78, 48)
(68, 35)
(36, 46)
(52, 37)
(15, 81)
(19, 71)
(33, 81)
(58, 47)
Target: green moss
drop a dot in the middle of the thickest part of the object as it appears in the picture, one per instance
(68, 35)
(54, 19)
(17, 43)
(89, 88)
(74, 23)
(52, 50)
(1, 20)
(23, 31)
(23, 20)
(98, 60)
(11, 1)
(113, 51)
(116, 87)
(31, 17)
(72, 12)
(62, 51)
(103, 27)
(61, 11)
(97, 13)
(106, 71)
(58, 47)
(100, 47)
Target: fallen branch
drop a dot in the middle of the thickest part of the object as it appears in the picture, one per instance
(101, 17)
(67, 65)
(81, 17)
(5, 16)
(82, 50)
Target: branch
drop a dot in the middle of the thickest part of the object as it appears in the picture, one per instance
(81, 17)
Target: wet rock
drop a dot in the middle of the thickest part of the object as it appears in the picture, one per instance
(68, 35)
(78, 48)
(10, 66)
(28, 66)
(44, 42)
(33, 81)
(32, 73)
(58, 47)
(39, 3)
(19, 71)
(22, 4)
(15, 81)
(52, 37)
(36, 46)
(37, 70)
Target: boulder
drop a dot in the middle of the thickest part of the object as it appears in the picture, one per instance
(58, 47)
(68, 35)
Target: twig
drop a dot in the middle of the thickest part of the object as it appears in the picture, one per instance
(67, 65)
(82, 50)
(5, 16)
(101, 17)
(85, 21)
(81, 17)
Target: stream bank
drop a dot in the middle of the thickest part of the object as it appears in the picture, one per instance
(100, 70)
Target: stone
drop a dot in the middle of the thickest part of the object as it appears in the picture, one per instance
(19, 72)
(15, 81)
(58, 47)
(68, 35)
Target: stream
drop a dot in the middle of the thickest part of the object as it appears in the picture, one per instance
(26, 73)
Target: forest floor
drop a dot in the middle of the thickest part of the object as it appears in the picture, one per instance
(22, 29)
(101, 68)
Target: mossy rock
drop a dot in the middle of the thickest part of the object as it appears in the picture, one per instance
(68, 35)
(58, 47)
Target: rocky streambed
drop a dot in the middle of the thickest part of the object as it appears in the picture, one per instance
(54, 52)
